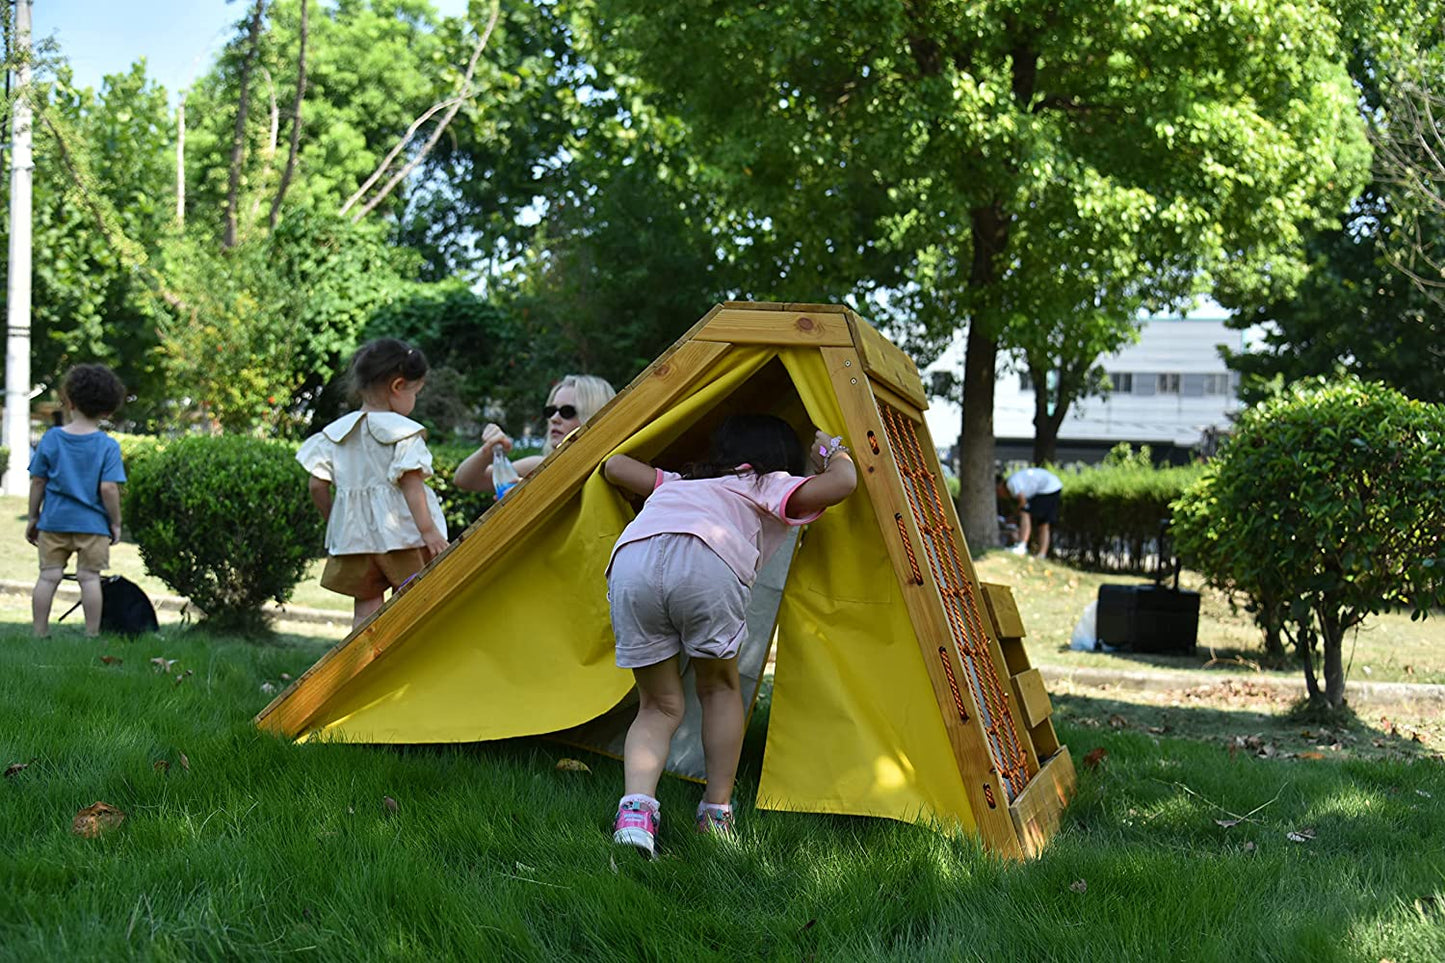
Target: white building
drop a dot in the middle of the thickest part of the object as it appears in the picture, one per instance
(1171, 389)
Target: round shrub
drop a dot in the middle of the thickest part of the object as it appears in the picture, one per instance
(225, 521)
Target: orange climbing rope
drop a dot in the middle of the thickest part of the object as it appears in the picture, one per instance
(960, 601)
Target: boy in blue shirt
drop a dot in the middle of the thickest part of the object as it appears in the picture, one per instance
(75, 477)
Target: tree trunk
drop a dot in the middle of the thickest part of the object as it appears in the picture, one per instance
(1046, 422)
(1304, 649)
(1270, 619)
(1332, 635)
(295, 121)
(238, 138)
(979, 502)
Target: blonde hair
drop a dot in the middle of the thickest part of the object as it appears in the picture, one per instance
(589, 393)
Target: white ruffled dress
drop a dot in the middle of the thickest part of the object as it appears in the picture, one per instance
(364, 454)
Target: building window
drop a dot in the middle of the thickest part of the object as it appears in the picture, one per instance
(1025, 382)
(1123, 381)
(1167, 384)
(1216, 384)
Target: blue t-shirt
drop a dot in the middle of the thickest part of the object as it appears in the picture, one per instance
(73, 467)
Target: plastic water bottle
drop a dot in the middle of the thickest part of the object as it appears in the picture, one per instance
(504, 475)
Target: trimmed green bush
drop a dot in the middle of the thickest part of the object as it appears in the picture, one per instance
(1110, 514)
(1324, 508)
(225, 521)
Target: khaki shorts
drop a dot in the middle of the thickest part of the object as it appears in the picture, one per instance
(671, 593)
(369, 576)
(92, 552)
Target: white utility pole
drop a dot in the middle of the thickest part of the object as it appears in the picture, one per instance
(17, 315)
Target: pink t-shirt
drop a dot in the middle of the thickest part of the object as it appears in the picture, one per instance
(742, 518)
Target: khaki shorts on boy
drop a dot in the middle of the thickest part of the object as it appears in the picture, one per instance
(369, 576)
(91, 551)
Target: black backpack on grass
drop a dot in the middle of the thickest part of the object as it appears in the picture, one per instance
(124, 607)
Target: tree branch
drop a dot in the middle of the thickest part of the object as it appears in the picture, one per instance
(290, 168)
(238, 139)
(451, 106)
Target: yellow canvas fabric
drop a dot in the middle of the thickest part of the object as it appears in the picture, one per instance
(526, 648)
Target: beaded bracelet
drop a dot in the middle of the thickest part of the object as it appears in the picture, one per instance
(835, 445)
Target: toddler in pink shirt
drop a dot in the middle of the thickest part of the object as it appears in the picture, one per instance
(679, 580)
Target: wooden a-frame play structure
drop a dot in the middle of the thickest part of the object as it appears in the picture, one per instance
(902, 687)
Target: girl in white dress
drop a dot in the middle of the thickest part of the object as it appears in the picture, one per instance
(383, 524)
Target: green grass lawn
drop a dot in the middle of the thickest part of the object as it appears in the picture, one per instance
(237, 845)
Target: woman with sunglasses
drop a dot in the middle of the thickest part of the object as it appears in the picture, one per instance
(571, 402)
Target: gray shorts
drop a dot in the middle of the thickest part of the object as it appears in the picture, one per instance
(671, 594)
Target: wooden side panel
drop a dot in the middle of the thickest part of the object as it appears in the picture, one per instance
(885, 362)
(654, 390)
(1037, 810)
(785, 327)
(879, 475)
(1033, 698)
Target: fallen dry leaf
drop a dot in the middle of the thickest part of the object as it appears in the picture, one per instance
(111, 659)
(15, 768)
(1079, 886)
(267, 688)
(161, 765)
(1094, 757)
(1309, 755)
(163, 664)
(1118, 721)
(389, 804)
(285, 677)
(572, 765)
(1228, 823)
(96, 819)
(1249, 846)
(1300, 835)
(185, 763)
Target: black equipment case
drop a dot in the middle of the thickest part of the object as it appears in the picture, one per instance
(1149, 618)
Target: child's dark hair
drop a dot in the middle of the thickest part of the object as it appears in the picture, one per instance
(94, 389)
(379, 362)
(763, 442)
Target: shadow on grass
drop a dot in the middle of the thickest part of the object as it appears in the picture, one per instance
(1256, 725)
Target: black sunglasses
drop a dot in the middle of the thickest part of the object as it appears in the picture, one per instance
(568, 412)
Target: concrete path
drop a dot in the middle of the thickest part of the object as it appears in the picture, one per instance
(69, 593)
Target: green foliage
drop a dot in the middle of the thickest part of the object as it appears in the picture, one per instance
(225, 521)
(257, 330)
(1356, 312)
(1327, 506)
(1110, 515)
(104, 177)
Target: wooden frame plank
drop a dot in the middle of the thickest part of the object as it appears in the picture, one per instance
(658, 387)
(1033, 697)
(885, 362)
(777, 327)
(1000, 601)
(884, 484)
(1037, 809)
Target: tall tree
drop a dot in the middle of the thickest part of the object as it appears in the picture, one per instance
(981, 157)
(103, 174)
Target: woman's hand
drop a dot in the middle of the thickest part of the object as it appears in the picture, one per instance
(494, 437)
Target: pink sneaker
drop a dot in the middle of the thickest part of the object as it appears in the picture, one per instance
(637, 826)
(714, 820)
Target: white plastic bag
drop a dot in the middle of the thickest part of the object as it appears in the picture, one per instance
(1084, 638)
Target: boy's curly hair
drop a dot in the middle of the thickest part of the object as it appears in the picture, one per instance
(94, 389)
